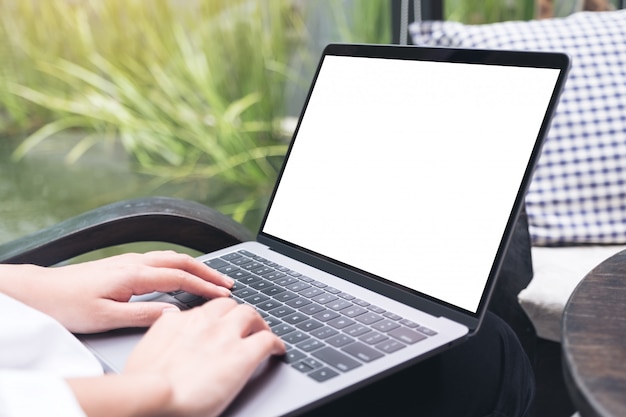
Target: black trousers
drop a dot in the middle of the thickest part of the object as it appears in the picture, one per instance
(488, 375)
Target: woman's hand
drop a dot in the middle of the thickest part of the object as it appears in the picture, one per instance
(92, 296)
(216, 348)
(190, 363)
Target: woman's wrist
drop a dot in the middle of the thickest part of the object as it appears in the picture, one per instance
(19, 281)
(123, 395)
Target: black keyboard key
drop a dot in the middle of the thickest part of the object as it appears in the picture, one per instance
(390, 346)
(372, 338)
(339, 340)
(298, 286)
(302, 367)
(281, 311)
(336, 359)
(298, 302)
(285, 296)
(309, 325)
(273, 275)
(244, 292)
(376, 309)
(310, 345)
(408, 323)
(271, 321)
(228, 269)
(293, 356)
(357, 330)
(263, 270)
(252, 266)
(392, 316)
(249, 279)
(216, 263)
(340, 322)
(361, 303)
(312, 308)
(385, 325)
(295, 337)
(324, 332)
(353, 311)
(273, 290)
(324, 298)
(186, 298)
(295, 318)
(284, 281)
(261, 284)
(232, 256)
(260, 259)
(369, 318)
(323, 374)
(197, 302)
(325, 315)
(311, 292)
(256, 299)
(282, 329)
(241, 261)
(362, 352)
(406, 335)
(239, 274)
(338, 305)
(426, 331)
(268, 305)
(313, 363)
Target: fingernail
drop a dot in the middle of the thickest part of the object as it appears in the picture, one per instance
(172, 309)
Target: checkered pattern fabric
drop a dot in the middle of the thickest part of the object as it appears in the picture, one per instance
(578, 193)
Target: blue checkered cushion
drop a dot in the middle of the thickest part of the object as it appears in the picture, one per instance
(578, 193)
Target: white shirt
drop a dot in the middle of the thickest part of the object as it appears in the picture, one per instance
(36, 355)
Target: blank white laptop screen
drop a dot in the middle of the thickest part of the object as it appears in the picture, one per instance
(408, 170)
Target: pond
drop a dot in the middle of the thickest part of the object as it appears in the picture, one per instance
(43, 189)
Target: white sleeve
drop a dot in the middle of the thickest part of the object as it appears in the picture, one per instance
(26, 394)
(33, 341)
(36, 355)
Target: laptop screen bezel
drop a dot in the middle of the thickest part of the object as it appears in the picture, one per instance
(377, 284)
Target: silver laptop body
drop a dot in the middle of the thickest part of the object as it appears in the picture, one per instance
(391, 214)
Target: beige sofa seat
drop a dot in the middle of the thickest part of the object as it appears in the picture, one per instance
(557, 272)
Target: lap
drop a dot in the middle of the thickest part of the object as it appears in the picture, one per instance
(488, 375)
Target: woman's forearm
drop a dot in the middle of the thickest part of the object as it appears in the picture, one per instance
(122, 395)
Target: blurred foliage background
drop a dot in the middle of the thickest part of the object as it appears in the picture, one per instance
(106, 100)
(200, 95)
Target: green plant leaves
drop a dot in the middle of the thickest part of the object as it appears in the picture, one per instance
(194, 91)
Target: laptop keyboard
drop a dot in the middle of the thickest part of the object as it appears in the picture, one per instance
(326, 331)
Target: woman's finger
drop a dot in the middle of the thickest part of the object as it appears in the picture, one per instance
(171, 259)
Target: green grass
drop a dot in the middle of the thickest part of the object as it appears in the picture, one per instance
(194, 93)
(193, 90)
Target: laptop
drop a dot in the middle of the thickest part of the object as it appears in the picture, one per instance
(389, 219)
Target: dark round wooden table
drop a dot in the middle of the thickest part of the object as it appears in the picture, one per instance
(594, 340)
